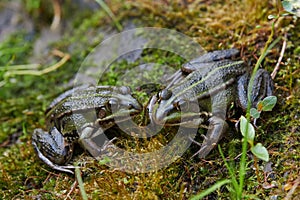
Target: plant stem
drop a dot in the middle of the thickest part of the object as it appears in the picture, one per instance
(256, 169)
(267, 47)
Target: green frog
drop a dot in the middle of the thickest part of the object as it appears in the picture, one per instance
(202, 91)
(76, 116)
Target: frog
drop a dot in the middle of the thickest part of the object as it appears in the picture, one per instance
(76, 116)
(203, 89)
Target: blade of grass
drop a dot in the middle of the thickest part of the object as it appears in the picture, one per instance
(232, 175)
(110, 14)
(80, 183)
(210, 189)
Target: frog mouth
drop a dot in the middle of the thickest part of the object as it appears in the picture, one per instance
(120, 116)
(186, 119)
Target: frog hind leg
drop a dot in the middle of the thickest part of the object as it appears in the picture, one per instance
(217, 124)
(263, 86)
(52, 149)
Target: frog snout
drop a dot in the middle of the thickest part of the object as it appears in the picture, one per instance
(135, 105)
(162, 112)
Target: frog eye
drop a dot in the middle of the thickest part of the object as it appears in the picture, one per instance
(124, 90)
(115, 104)
(165, 94)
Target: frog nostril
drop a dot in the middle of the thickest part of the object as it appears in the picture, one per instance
(135, 105)
(130, 106)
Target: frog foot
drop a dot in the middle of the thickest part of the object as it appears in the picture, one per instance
(53, 149)
(217, 128)
(50, 163)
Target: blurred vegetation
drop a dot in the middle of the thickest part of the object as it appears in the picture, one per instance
(214, 25)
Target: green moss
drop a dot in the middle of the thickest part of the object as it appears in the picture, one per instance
(215, 26)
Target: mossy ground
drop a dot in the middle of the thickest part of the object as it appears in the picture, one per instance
(214, 25)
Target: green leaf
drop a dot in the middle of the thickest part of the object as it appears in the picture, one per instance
(292, 6)
(254, 113)
(269, 103)
(271, 17)
(287, 6)
(250, 132)
(261, 152)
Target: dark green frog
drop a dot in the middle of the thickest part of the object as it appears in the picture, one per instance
(203, 89)
(75, 115)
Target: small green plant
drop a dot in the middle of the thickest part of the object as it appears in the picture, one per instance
(267, 104)
(248, 132)
(258, 150)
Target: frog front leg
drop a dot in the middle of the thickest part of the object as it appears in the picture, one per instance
(217, 128)
(52, 149)
(217, 124)
(94, 140)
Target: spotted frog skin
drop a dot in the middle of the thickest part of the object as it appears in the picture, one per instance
(75, 115)
(207, 86)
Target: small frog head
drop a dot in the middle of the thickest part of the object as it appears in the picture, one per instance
(171, 109)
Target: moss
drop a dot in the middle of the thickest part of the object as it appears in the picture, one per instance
(214, 25)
